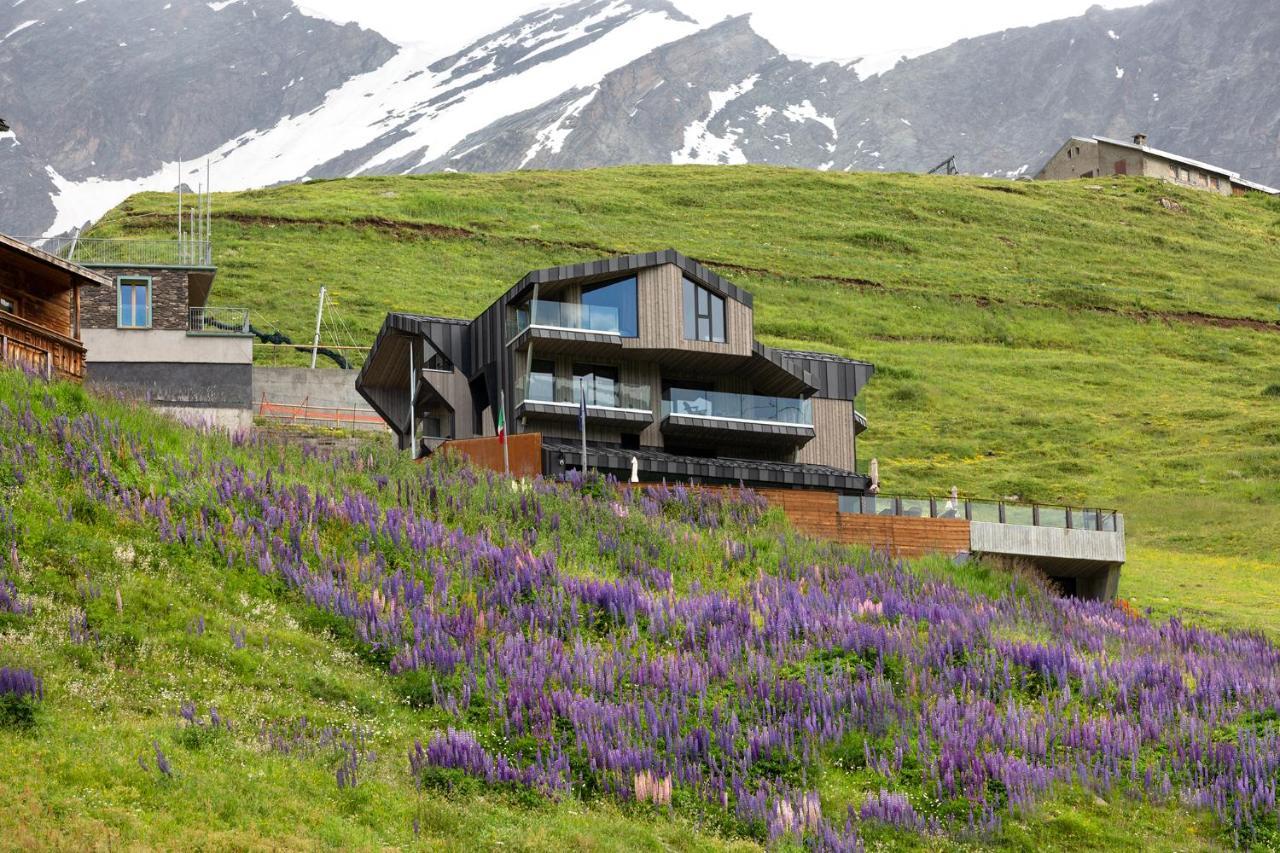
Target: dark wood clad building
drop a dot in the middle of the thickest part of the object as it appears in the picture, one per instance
(663, 351)
(40, 303)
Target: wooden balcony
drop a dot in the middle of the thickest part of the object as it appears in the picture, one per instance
(39, 350)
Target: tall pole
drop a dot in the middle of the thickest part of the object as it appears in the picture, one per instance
(209, 213)
(506, 439)
(315, 342)
(582, 417)
(413, 395)
(179, 208)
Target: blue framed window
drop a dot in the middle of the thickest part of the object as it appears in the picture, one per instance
(133, 302)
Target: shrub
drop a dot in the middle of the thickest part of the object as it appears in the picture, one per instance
(20, 694)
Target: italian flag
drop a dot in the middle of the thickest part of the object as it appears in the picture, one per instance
(502, 427)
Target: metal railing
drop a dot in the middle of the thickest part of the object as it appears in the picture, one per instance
(218, 321)
(724, 405)
(126, 252)
(566, 315)
(541, 388)
(996, 512)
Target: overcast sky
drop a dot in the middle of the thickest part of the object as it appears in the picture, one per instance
(804, 29)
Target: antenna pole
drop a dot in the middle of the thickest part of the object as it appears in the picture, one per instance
(315, 343)
(179, 208)
(208, 212)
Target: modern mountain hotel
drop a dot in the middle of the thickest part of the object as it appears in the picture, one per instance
(646, 367)
(663, 351)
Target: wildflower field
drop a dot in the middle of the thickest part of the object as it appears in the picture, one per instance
(220, 641)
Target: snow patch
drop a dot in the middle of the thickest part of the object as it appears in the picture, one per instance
(551, 138)
(19, 28)
(1119, 73)
(1155, 96)
(219, 5)
(703, 146)
(1111, 34)
(806, 111)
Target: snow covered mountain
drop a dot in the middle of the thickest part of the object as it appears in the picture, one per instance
(271, 95)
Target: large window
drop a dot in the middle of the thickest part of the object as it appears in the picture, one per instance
(612, 306)
(542, 381)
(598, 382)
(703, 313)
(133, 295)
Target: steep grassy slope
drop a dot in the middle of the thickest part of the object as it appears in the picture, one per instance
(240, 646)
(1074, 342)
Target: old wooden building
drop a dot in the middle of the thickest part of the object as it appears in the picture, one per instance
(40, 299)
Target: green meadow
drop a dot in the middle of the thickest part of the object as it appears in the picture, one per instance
(1112, 343)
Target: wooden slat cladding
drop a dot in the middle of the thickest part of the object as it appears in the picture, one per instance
(903, 536)
(833, 440)
(24, 344)
(661, 297)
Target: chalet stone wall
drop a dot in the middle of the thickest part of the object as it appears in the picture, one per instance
(168, 299)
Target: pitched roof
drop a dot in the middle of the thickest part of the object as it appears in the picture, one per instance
(85, 274)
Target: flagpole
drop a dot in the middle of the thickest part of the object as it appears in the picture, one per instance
(582, 422)
(506, 445)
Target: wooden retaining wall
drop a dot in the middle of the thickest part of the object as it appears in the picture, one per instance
(818, 514)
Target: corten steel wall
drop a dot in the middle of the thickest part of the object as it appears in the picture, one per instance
(525, 453)
(168, 299)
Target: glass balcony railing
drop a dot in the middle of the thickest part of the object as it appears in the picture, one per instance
(738, 407)
(541, 388)
(996, 512)
(566, 315)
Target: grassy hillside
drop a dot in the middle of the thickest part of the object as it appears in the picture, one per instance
(1112, 342)
(244, 646)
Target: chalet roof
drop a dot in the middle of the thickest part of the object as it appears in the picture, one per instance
(87, 276)
(631, 263)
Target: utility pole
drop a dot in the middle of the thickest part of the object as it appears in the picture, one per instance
(413, 394)
(180, 210)
(315, 343)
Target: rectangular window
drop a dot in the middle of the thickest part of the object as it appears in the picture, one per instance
(703, 313)
(133, 296)
(598, 382)
(611, 307)
(8, 305)
(542, 381)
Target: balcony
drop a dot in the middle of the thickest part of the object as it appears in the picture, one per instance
(720, 415)
(613, 403)
(38, 350)
(218, 321)
(109, 252)
(567, 327)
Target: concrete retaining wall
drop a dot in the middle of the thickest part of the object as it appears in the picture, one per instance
(1085, 547)
(316, 397)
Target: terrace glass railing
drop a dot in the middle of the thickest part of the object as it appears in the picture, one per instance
(723, 405)
(544, 314)
(541, 388)
(997, 512)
